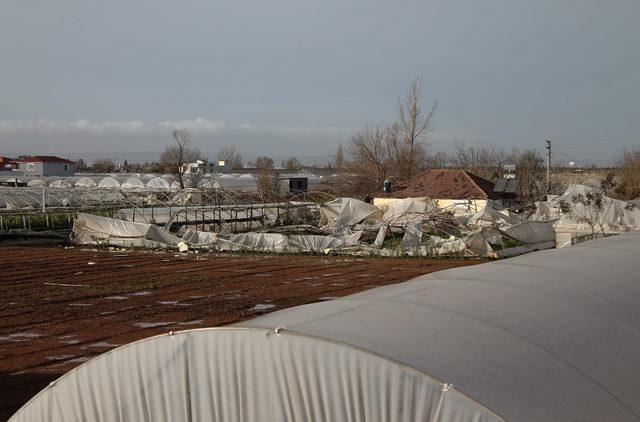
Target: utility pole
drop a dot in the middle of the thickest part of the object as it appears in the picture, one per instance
(548, 147)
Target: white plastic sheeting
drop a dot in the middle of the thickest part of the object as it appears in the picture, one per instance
(549, 336)
(242, 374)
(94, 230)
(343, 212)
(108, 182)
(36, 183)
(86, 182)
(405, 211)
(158, 183)
(615, 217)
(60, 183)
(532, 232)
(133, 182)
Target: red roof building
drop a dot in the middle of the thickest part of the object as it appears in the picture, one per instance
(448, 185)
(44, 159)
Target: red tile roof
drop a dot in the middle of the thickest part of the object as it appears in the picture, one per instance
(44, 159)
(446, 184)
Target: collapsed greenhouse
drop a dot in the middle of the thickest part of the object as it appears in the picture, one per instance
(552, 335)
(249, 220)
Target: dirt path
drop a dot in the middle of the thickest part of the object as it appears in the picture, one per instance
(61, 306)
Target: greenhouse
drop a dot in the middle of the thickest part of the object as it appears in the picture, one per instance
(552, 335)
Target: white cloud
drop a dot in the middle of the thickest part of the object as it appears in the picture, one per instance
(198, 125)
(47, 125)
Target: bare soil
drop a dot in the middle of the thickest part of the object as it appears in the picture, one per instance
(61, 306)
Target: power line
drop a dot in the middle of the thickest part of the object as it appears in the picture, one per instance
(568, 156)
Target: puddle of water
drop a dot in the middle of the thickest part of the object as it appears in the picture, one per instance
(142, 293)
(117, 298)
(100, 344)
(262, 307)
(25, 335)
(196, 322)
(331, 274)
(81, 359)
(70, 341)
(61, 357)
(168, 302)
(153, 324)
(80, 304)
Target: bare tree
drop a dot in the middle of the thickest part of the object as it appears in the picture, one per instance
(339, 159)
(482, 160)
(103, 166)
(267, 183)
(397, 151)
(415, 124)
(291, 163)
(263, 162)
(229, 153)
(81, 165)
(175, 158)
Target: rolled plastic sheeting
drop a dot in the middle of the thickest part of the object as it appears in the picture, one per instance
(240, 374)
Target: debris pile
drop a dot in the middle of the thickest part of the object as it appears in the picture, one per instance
(405, 227)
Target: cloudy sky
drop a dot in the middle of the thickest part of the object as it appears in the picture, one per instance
(112, 78)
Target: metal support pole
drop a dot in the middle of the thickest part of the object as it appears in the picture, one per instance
(548, 147)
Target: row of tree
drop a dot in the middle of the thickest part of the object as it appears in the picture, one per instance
(395, 151)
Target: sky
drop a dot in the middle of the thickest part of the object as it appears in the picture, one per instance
(111, 79)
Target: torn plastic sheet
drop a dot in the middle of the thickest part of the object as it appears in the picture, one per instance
(343, 212)
(91, 229)
(409, 210)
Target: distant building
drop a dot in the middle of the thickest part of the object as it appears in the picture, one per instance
(44, 166)
(508, 188)
(452, 189)
(7, 164)
(204, 167)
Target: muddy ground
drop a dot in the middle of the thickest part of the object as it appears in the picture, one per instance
(61, 306)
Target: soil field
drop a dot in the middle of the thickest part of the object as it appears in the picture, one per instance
(61, 306)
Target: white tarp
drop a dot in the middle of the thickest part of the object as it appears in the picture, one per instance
(532, 232)
(199, 238)
(615, 217)
(313, 243)
(92, 229)
(405, 211)
(343, 212)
